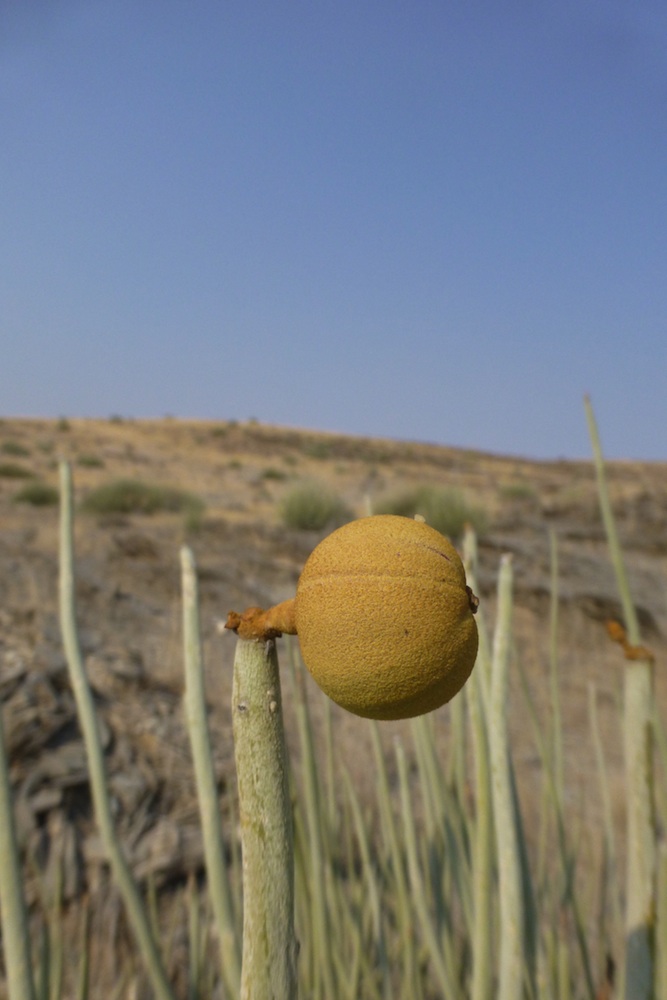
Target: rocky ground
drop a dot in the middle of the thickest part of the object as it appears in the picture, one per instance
(128, 594)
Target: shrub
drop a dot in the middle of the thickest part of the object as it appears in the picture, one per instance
(12, 470)
(312, 507)
(15, 449)
(130, 496)
(37, 494)
(446, 510)
(90, 461)
(518, 491)
(193, 517)
(272, 473)
(318, 449)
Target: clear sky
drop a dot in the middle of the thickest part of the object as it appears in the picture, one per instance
(440, 221)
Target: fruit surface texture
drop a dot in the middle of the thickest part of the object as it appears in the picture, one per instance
(385, 619)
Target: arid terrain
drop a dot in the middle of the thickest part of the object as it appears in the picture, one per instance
(128, 594)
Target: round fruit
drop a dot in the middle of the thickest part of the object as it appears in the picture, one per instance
(385, 619)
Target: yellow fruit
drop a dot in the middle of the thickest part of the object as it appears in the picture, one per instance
(384, 618)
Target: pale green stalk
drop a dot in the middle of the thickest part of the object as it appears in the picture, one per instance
(317, 834)
(393, 848)
(564, 980)
(207, 789)
(661, 926)
(484, 654)
(82, 982)
(194, 939)
(482, 864)
(611, 894)
(55, 932)
(418, 889)
(371, 883)
(638, 750)
(556, 718)
(89, 728)
(448, 846)
(569, 891)
(553, 785)
(457, 751)
(44, 965)
(268, 970)
(509, 860)
(433, 815)
(332, 805)
(15, 928)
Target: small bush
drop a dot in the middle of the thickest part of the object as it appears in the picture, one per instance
(518, 491)
(130, 496)
(447, 511)
(311, 507)
(193, 518)
(90, 461)
(15, 449)
(318, 449)
(63, 424)
(12, 470)
(271, 473)
(38, 495)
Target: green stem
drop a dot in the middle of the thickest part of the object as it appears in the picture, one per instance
(15, 932)
(638, 750)
(207, 789)
(88, 722)
(269, 944)
(434, 946)
(507, 836)
(483, 855)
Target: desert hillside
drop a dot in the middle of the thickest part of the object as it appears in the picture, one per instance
(237, 477)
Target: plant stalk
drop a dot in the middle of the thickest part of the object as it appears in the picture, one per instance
(207, 790)
(89, 728)
(13, 914)
(268, 970)
(512, 914)
(638, 750)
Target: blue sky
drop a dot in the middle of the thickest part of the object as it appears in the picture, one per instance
(439, 221)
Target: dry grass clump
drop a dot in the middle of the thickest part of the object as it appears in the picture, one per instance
(446, 510)
(37, 494)
(132, 496)
(12, 470)
(15, 449)
(90, 461)
(313, 507)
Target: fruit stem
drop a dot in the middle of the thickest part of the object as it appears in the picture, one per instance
(254, 623)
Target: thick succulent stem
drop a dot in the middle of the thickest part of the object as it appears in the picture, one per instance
(15, 932)
(269, 945)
